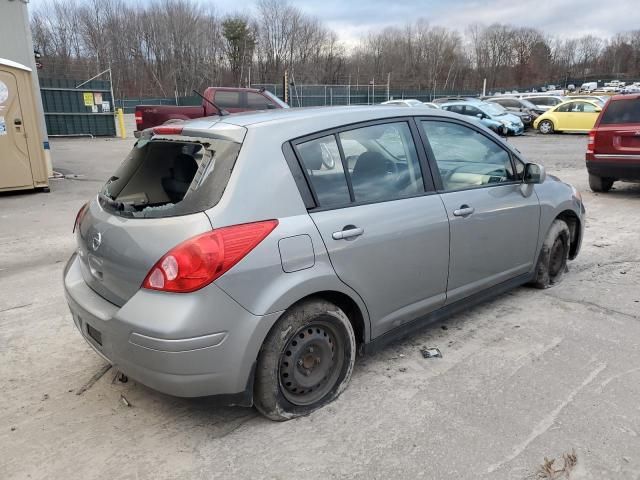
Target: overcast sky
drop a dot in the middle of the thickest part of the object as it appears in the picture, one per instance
(351, 19)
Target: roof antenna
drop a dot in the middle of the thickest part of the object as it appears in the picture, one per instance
(221, 111)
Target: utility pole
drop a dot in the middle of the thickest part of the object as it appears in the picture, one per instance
(285, 86)
(388, 82)
(373, 91)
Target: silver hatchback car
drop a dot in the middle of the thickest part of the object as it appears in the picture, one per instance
(252, 256)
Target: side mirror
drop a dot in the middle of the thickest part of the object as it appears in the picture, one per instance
(534, 173)
(271, 106)
(598, 110)
(480, 116)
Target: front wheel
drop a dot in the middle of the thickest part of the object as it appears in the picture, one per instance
(600, 184)
(553, 257)
(546, 127)
(305, 362)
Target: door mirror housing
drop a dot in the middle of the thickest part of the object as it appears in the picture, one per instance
(598, 110)
(534, 173)
(480, 116)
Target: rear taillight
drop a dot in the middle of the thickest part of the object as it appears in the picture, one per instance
(591, 145)
(80, 216)
(138, 119)
(200, 260)
(167, 130)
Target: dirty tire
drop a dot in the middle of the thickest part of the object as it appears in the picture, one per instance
(546, 127)
(600, 184)
(554, 254)
(305, 362)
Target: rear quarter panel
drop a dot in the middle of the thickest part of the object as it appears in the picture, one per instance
(262, 187)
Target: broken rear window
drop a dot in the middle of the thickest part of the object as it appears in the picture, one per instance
(162, 178)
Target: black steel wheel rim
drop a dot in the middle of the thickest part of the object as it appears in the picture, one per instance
(311, 362)
(556, 258)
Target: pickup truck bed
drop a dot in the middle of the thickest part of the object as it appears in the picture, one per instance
(232, 100)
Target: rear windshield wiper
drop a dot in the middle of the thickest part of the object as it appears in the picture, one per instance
(221, 111)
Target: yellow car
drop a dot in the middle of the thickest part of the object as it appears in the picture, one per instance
(570, 116)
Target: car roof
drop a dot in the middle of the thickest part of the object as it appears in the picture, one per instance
(475, 103)
(527, 97)
(626, 96)
(491, 99)
(574, 100)
(317, 118)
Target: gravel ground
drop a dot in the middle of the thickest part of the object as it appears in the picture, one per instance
(533, 374)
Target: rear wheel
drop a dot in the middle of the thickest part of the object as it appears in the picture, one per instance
(546, 127)
(600, 184)
(552, 261)
(305, 362)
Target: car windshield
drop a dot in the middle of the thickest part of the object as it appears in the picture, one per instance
(493, 109)
(527, 104)
(275, 99)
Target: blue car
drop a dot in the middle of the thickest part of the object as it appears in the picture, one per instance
(491, 115)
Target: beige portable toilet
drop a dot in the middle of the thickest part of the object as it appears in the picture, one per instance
(22, 160)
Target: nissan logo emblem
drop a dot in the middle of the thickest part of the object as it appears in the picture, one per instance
(96, 240)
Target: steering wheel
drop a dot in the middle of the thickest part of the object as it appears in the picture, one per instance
(327, 159)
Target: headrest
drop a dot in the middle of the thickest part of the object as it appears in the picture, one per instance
(371, 165)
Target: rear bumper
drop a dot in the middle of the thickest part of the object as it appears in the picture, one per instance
(174, 343)
(621, 167)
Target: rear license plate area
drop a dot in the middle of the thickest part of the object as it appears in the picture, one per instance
(630, 142)
(94, 334)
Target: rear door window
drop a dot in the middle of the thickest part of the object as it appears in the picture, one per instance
(362, 165)
(255, 101)
(471, 111)
(509, 103)
(383, 162)
(622, 111)
(229, 99)
(322, 162)
(168, 178)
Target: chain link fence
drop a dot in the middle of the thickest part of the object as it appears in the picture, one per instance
(327, 95)
(315, 96)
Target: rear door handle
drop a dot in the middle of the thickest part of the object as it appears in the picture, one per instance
(347, 232)
(464, 211)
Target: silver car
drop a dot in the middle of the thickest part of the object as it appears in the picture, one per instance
(252, 256)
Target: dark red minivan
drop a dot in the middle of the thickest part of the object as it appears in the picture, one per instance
(613, 152)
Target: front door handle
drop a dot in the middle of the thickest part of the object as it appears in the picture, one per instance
(464, 211)
(347, 232)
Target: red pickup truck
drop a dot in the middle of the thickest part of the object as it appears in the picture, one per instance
(232, 100)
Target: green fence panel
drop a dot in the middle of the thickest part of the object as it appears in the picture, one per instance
(87, 110)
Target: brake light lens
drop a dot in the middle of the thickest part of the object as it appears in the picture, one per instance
(138, 118)
(79, 216)
(200, 260)
(167, 130)
(591, 145)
